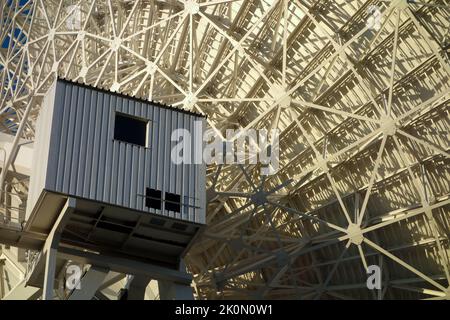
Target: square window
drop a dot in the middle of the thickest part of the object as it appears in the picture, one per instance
(153, 198)
(173, 202)
(130, 129)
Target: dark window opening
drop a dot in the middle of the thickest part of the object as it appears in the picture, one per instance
(130, 129)
(153, 198)
(173, 202)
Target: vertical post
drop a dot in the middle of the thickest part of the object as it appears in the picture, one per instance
(2, 283)
(7, 200)
(137, 287)
(50, 248)
(89, 283)
(169, 290)
(49, 275)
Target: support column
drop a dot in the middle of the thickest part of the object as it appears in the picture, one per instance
(50, 248)
(174, 291)
(2, 282)
(171, 290)
(89, 284)
(137, 287)
(49, 275)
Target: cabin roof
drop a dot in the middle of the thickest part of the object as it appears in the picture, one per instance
(127, 96)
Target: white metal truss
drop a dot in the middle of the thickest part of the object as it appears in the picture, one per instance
(363, 111)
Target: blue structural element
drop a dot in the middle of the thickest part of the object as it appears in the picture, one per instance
(19, 36)
(21, 2)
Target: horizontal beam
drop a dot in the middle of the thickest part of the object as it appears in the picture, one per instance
(124, 265)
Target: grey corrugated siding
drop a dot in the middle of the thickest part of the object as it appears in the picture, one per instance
(85, 160)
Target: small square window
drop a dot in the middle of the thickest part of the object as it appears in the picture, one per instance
(173, 202)
(153, 198)
(130, 129)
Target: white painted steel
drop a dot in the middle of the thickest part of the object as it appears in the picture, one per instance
(363, 115)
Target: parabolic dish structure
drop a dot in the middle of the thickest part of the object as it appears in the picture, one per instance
(358, 89)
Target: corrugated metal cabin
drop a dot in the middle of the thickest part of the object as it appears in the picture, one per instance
(113, 154)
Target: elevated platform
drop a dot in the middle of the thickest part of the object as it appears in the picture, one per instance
(120, 231)
(107, 237)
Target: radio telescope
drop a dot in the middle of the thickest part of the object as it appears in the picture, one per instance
(358, 89)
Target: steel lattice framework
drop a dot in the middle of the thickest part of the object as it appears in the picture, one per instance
(362, 111)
